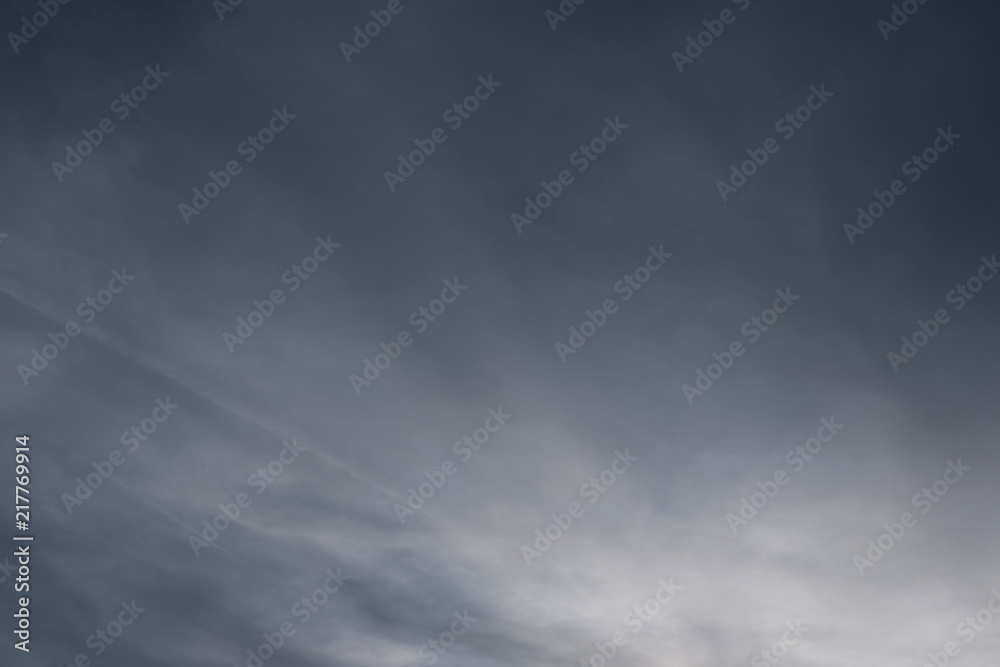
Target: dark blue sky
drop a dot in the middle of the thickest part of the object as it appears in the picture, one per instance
(453, 317)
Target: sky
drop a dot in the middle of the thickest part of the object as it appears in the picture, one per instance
(505, 333)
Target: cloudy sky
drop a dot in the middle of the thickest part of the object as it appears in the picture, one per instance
(492, 316)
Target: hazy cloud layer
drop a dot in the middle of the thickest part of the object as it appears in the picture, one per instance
(753, 451)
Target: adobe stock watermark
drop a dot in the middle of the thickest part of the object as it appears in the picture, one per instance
(787, 125)
(776, 651)
(900, 14)
(915, 167)
(565, 9)
(131, 438)
(592, 490)
(753, 329)
(260, 480)
(924, 501)
(436, 479)
(372, 29)
(86, 309)
(968, 629)
(294, 276)
(437, 647)
(248, 149)
(797, 458)
(223, 7)
(6, 570)
(420, 320)
(928, 329)
(103, 638)
(455, 115)
(122, 106)
(303, 610)
(713, 28)
(630, 283)
(38, 20)
(635, 619)
(581, 158)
